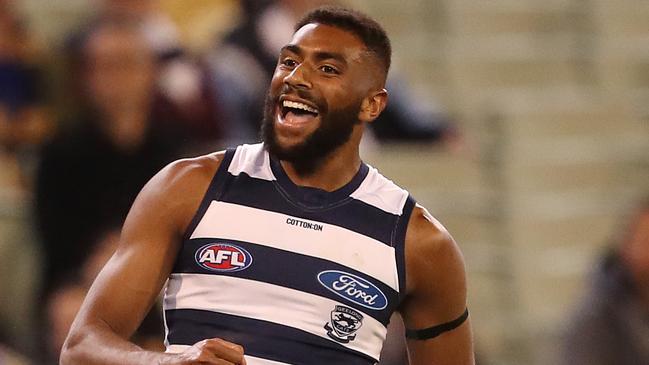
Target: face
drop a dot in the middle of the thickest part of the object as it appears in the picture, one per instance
(120, 69)
(322, 81)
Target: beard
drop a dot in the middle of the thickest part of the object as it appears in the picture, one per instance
(335, 129)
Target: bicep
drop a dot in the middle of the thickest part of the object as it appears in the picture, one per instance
(131, 280)
(437, 296)
(453, 343)
(127, 287)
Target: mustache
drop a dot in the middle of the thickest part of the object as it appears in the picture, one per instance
(300, 93)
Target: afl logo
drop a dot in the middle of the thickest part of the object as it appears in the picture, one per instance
(353, 288)
(223, 257)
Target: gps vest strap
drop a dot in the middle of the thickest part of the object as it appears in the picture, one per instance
(432, 332)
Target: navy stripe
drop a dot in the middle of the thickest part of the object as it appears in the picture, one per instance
(287, 269)
(400, 243)
(314, 198)
(261, 339)
(351, 214)
(215, 186)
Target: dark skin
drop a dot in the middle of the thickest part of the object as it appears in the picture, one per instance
(151, 237)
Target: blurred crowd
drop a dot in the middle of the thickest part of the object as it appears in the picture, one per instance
(84, 124)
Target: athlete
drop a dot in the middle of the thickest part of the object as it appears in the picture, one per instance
(291, 251)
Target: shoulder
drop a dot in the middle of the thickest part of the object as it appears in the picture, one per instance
(434, 266)
(192, 170)
(182, 182)
(174, 194)
(427, 239)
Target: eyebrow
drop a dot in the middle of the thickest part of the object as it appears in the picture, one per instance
(292, 48)
(319, 55)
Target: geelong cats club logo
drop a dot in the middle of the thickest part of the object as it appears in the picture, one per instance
(344, 323)
(223, 257)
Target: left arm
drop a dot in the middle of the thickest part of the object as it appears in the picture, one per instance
(436, 294)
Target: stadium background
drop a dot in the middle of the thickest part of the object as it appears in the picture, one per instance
(552, 100)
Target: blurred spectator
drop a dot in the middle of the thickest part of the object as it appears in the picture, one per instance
(23, 120)
(23, 127)
(91, 172)
(183, 91)
(62, 307)
(65, 301)
(611, 325)
(10, 357)
(244, 62)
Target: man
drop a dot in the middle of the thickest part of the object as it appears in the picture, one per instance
(94, 168)
(253, 46)
(611, 324)
(292, 251)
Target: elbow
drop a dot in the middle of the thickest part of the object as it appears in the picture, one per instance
(70, 350)
(65, 358)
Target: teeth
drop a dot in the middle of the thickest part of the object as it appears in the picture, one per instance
(296, 105)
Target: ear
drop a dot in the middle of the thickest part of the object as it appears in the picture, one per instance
(373, 105)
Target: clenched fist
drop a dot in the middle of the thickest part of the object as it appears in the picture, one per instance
(214, 351)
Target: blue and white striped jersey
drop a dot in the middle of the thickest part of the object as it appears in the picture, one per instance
(296, 275)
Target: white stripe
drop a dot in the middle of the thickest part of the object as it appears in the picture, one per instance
(250, 360)
(267, 302)
(375, 190)
(237, 222)
(253, 160)
(378, 191)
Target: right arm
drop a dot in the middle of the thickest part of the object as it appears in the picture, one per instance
(130, 282)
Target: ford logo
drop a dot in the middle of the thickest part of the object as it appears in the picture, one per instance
(353, 288)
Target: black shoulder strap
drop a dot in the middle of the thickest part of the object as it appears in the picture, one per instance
(432, 332)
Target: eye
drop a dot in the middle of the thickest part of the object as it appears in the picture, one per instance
(288, 62)
(329, 69)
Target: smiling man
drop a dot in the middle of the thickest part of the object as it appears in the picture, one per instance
(291, 251)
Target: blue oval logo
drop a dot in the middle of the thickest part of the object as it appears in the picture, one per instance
(223, 257)
(353, 288)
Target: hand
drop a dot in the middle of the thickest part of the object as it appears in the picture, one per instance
(214, 351)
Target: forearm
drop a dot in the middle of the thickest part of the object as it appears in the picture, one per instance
(98, 344)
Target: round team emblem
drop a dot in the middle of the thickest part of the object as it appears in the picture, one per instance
(223, 257)
(344, 323)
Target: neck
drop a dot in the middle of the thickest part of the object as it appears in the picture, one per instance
(334, 171)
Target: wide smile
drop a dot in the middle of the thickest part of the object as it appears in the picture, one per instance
(296, 114)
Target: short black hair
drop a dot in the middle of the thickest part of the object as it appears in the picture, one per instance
(361, 25)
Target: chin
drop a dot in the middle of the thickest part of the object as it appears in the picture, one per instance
(289, 142)
(285, 148)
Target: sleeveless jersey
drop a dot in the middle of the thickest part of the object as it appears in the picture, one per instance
(296, 275)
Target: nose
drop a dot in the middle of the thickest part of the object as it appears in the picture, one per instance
(298, 78)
